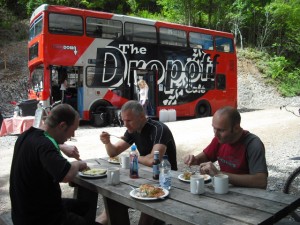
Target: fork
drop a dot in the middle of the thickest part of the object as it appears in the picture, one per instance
(112, 135)
(96, 160)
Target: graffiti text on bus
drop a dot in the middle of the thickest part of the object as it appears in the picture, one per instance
(193, 73)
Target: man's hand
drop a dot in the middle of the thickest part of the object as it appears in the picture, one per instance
(105, 137)
(190, 160)
(70, 151)
(83, 166)
(208, 168)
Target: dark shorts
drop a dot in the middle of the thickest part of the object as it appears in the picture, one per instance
(75, 211)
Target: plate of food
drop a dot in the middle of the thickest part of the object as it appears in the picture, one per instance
(93, 173)
(114, 160)
(149, 192)
(186, 177)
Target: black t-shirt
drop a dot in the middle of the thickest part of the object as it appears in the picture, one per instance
(37, 168)
(154, 132)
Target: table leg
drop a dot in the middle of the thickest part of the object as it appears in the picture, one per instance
(91, 197)
(117, 213)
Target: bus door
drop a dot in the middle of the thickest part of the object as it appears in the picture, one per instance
(74, 90)
(73, 93)
(150, 78)
(55, 94)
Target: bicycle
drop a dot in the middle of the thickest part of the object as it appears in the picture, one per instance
(42, 112)
(292, 184)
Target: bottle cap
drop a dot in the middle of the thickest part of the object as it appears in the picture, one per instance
(156, 152)
(133, 148)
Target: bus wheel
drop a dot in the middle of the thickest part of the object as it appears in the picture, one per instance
(203, 109)
(98, 115)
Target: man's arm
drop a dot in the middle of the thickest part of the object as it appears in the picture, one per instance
(75, 167)
(147, 160)
(195, 160)
(113, 149)
(70, 150)
(258, 180)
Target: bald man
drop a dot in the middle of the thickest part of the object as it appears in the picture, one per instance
(240, 154)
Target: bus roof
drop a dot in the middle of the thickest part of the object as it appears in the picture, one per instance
(157, 23)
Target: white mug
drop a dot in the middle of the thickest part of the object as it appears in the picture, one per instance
(125, 162)
(221, 183)
(113, 175)
(197, 184)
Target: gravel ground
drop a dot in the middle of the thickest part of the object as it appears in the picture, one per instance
(261, 114)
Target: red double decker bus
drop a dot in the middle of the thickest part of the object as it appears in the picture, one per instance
(189, 69)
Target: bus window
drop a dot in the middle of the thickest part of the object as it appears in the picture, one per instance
(172, 37)
(140, 32)
(34, 51)
(37, 78)
(224, 44)
(203, 41)
(221, 82)
(102, 28)
(36, 27)
(65, 24)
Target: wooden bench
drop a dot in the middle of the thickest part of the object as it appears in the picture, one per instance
(5, 219)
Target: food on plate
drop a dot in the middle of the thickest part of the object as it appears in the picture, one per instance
(206, 176)
(114, 159)
(151, 191)
(94, 172)
(187, 175)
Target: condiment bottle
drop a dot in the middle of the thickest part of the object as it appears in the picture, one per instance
(155, 165)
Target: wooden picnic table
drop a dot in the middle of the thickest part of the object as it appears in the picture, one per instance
(238, 206)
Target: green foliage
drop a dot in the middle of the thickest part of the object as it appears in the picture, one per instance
(7, 18)
(268, 25)
(277, 70)
(277, 67)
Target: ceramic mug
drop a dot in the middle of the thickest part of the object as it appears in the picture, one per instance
(113, 175)
(221, 183)
(125, 162)
(197, 184)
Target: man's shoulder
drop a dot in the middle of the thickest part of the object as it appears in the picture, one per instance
(248, 136)
(156, 123)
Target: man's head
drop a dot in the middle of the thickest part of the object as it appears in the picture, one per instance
(62, 122)
(133, 116)
(226, 123)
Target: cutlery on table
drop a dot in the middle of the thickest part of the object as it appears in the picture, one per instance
(97, 161)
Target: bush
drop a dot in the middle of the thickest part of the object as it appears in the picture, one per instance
(277, 70)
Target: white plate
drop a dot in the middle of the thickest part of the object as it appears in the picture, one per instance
(113, 161)
(135, 194)
(207, 178)
(92, 175)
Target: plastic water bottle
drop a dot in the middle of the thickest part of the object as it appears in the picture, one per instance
(134, 163)
(165, 173)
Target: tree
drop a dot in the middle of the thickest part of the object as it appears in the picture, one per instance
(286, 35)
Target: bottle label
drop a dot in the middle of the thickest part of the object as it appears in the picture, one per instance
(155, 170)
(165, 182)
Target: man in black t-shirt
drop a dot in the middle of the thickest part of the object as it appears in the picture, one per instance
(37, 169)
(148, 135)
